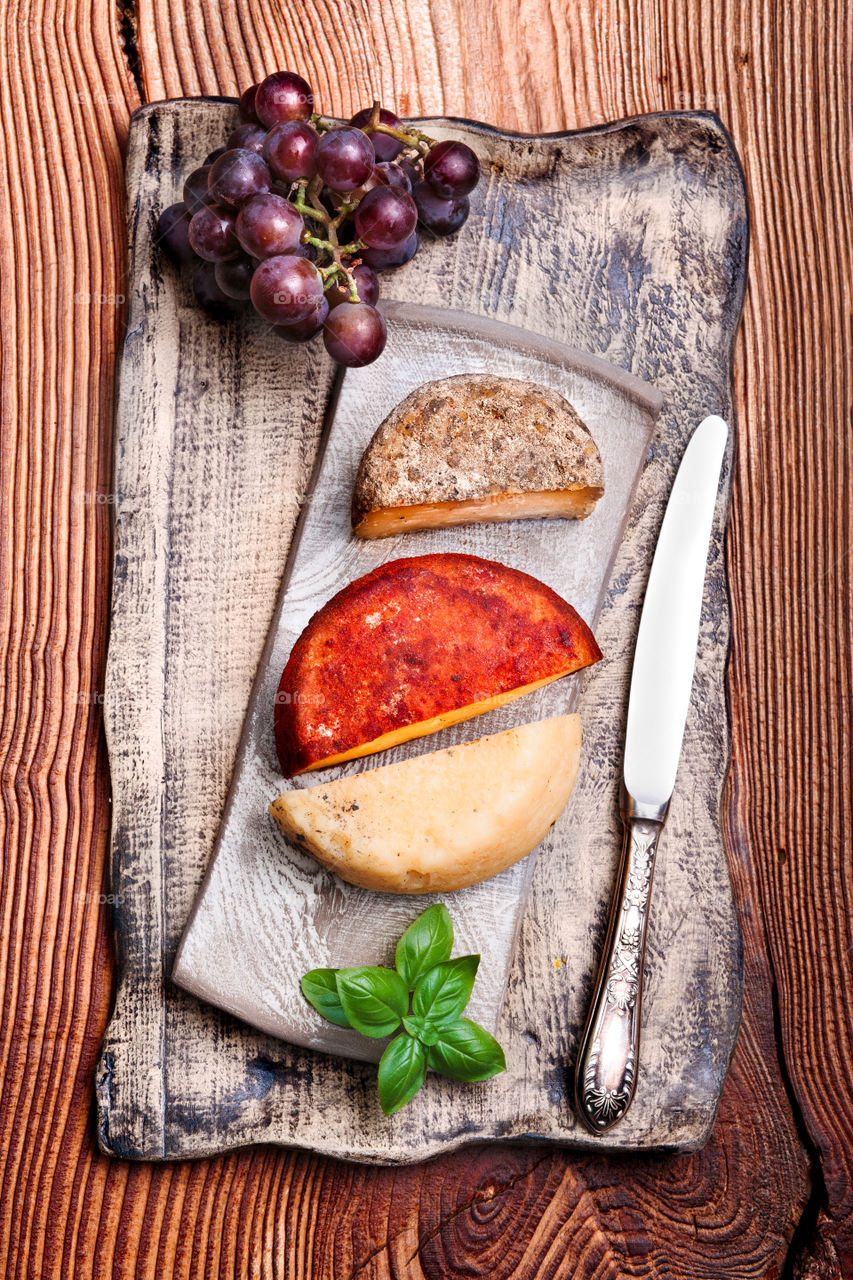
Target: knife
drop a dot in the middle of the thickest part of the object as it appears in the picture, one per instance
(661, 680)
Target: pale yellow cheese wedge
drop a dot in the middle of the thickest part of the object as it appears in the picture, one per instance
(444, 820)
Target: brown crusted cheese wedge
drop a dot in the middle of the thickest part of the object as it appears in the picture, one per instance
(476, 448)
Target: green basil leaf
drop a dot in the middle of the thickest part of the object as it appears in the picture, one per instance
(465, 1051)
(427, 941)
(443, 993)
(402, 1071)
(421, 1029)
(321, 990)
(374, 999)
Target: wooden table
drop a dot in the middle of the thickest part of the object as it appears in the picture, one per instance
(772, 1192)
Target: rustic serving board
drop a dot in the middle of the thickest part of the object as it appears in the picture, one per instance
(259, 889)
(628, 241)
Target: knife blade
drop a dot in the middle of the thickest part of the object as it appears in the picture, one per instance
(661, 683)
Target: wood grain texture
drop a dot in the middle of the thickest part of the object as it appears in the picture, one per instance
(656, 235)
(780, 78)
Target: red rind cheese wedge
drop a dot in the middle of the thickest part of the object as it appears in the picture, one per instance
(416, 645)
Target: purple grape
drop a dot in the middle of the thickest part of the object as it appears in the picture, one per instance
(172, 234)
(247, 105)
(305, 329)
(234, 276)
(209, 296)
(286, 289)
(451, 169)
(441, 217)
(212, 234)
(214, 155)
(237, 176)
(248, 137)
(385, 259)
(197, 189)
(291, 150)
(386, 217)
(268, 225)
(355, 334)
(365, 282)
(283, 96)
(386, 147)
(395, 176)
(345, 158)
(412, 171)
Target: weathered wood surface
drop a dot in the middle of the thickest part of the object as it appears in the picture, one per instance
(266, 913)
(781, 78)
(650, 277)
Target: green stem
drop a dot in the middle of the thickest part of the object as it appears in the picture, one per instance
(345, 210)
(338, 269)
(308, 212)
(330, 245)
(328, 273)
(307, 202)
(419, 142)
(413, 138)
(317, 242)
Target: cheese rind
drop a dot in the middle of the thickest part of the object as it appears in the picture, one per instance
(476, 448)
(441, 821)
(554, 504)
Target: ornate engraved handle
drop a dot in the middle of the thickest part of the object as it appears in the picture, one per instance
(607, 1064)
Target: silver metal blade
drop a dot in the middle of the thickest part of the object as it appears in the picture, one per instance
(669, 626)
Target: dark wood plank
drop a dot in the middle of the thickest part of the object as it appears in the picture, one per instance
(201, 531)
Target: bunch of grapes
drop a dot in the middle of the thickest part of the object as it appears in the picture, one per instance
(297, 214)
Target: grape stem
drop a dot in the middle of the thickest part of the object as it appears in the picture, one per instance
(333, 269)
(300, 203)
(308, 203)
(307, 211)
(412, 138)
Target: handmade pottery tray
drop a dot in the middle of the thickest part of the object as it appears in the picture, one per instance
(628, 242)
(258, 889)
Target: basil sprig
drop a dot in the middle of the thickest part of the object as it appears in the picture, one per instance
(432, 1032)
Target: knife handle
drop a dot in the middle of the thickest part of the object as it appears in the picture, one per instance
(606, 1074)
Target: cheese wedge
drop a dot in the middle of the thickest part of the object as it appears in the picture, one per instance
(444, 820)
(416, 645)
(475, 448)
